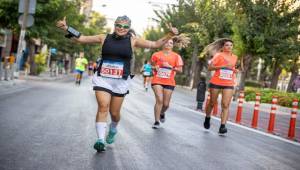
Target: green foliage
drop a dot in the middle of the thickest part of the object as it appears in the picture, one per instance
(267, 29)
(9, 14)
(45, 18)
(284, 99)
(252, 84)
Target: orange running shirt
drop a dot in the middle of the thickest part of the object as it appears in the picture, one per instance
(226, 76)
(165, 76)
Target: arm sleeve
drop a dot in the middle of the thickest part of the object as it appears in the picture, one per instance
(85, 61)
(154, 58)
(215, 60)
(179, 61)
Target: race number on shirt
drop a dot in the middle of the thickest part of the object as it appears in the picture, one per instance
(226, 74)
(112, 69)
(147, 73)
(164, 73)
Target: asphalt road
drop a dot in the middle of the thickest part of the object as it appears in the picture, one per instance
(50, 125)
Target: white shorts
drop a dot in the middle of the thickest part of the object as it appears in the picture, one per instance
(116, 87)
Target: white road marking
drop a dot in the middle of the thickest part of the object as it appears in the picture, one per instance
(247, 128)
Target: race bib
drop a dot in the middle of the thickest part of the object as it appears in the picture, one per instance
(112, 69)
(164, 73)
(146, 73)
(226, 74)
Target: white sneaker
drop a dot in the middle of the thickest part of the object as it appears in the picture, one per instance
(156, 125)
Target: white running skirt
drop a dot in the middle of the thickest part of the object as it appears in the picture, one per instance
(115, 86)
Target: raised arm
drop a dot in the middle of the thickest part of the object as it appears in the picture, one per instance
(156, 44)
(76, 35)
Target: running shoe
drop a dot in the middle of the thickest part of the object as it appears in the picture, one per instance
(99, 145)
(162, 118)
(156, 125)
(111, 136)
(222, 129)
(207, 123)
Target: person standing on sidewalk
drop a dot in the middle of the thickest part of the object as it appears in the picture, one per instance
(80, 65)
(222, 81)
(166, 63)
(110, 81)
(200, 97)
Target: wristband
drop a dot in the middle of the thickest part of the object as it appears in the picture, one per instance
(72, 32)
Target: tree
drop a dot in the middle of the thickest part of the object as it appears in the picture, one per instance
(44, 26)
(261, 28)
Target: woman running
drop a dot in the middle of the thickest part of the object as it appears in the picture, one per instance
(80, 65)
(166, 63)
(222, 81)
(147, 73)
(111, 78)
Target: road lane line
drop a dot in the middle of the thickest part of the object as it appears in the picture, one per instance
(247, 128)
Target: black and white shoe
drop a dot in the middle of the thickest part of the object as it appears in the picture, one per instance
(162, 118)
(222, 129)
(156, 125)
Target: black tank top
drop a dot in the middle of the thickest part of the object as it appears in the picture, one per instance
(118, 49)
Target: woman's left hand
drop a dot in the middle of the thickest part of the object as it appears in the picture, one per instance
(166, 64)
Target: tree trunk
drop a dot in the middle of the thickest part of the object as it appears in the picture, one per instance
(31, 58)
(275, 74)
(293, 76)
(246, 68)
(264, 74)
(193, 66)
(199, 68)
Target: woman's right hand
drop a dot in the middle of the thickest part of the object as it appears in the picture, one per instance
(227, 65)
(166, 64)
(156, 67)
(62, 24)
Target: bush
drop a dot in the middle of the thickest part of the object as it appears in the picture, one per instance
(40, 69)
(252, 84)
(284, 99)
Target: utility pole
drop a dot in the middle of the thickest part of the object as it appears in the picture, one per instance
(22, 35)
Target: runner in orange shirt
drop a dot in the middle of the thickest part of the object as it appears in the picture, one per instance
(223, 80)
(166, 64)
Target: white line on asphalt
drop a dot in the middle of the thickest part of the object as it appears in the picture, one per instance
(247, 128)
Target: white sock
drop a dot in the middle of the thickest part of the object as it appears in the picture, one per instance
(101, 129)
(113, 125)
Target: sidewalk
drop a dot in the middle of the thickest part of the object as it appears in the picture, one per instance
(9, 83)
(45, 76)
(6, 85)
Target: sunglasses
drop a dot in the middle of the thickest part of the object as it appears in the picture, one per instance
(122, 26)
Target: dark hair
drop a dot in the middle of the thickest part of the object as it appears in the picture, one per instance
(146, 61)
(123, 18)
(226, 40)
(215, 47)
